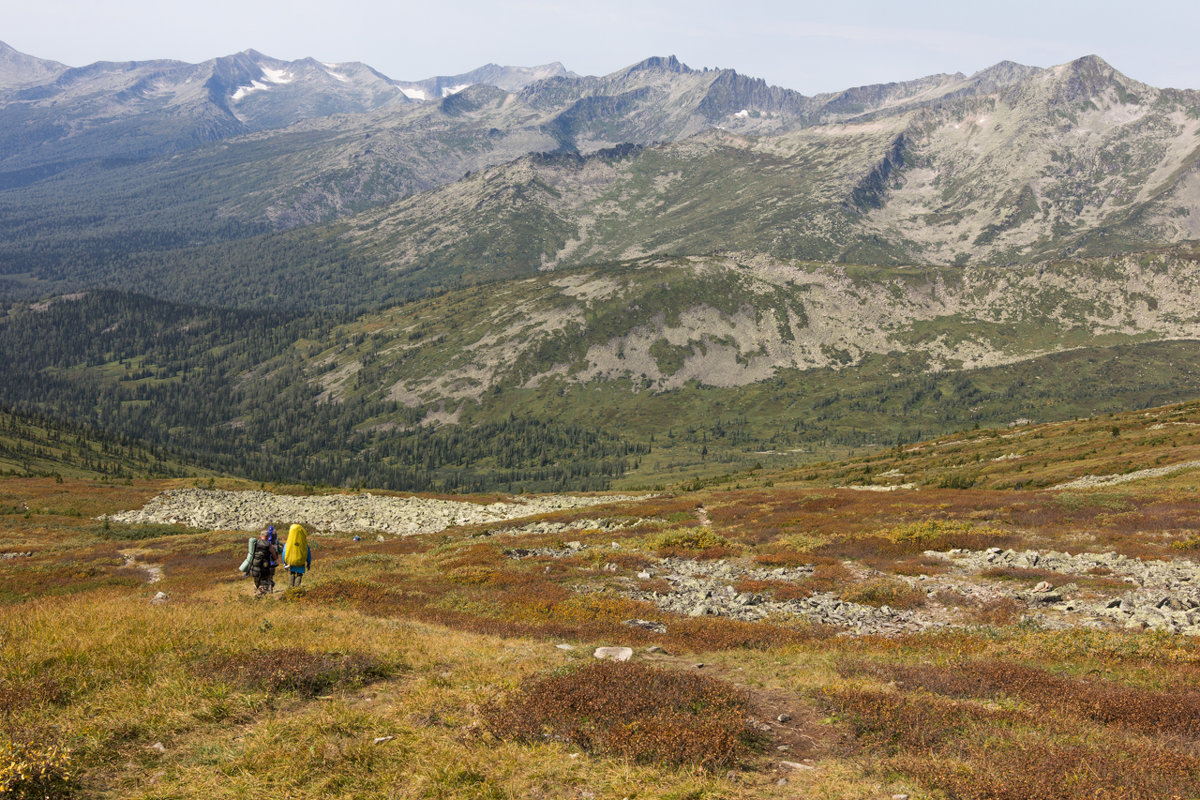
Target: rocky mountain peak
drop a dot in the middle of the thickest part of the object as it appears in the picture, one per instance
(1089, 77)
(508, 78)
(731, 92)
(19, 69)
(1003, 74)
(669, 64)
(472, 98)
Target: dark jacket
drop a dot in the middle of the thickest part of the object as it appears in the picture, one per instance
(263, 561)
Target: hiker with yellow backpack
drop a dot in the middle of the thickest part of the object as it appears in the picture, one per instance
(297, 555)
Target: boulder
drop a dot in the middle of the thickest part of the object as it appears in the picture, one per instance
(614, 653)
(645, 624)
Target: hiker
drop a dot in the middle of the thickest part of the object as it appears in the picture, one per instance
(297, 554)
(276, 554)
(273, 538)
(263, 559)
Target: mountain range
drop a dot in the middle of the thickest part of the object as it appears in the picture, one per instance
(1012, 164)
(689, 247)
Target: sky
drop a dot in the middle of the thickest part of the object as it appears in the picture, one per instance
(807, 46)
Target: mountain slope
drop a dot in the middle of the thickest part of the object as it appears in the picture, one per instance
(1159, 448)
(510, 79)
(663, 324)
(1077, 159)
(33, 445)
(1067, 157)
(630, 371)
(1012, 164)
(18, 69)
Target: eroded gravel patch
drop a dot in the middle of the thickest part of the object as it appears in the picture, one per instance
(1100, 481)
(1161, 595)
(1140, 595)
(154, 572)
(706, 588)
(362, 512)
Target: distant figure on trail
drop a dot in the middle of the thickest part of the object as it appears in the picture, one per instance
(263, 558)
(297, 554)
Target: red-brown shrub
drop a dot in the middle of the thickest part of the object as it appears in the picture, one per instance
(476, 555)
(368, 597)
(998, 612)
(912, 565)
(975, 752)
(1028, 575)
(631, 711)
(1150, 712)
(885, 592)
(783, 557)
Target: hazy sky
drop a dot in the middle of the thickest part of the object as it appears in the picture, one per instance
(807, 46)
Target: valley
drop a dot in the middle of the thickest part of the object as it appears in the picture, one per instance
(632, 374)
(662, 433)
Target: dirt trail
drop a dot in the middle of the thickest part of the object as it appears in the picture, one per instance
(154, 572)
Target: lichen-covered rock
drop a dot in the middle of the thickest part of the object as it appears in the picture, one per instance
(251, 510)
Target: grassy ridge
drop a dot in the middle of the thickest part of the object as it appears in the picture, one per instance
(33, 445)
(426, 396)
(1117, 446)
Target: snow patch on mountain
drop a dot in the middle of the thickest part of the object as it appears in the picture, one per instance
(242, 91)
(449, 90)
(413, 93)
(270, 75)
(330, 69)
(277, 75)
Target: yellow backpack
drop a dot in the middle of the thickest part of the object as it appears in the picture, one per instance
(295, 552)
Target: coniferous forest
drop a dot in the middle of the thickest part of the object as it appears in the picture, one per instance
(227, 390)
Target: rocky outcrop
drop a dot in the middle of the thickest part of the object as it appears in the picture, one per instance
(1096, 481)
(703, 588)
(1162, 595)
(252, 510)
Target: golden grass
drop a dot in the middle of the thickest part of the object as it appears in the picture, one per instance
(408, 641)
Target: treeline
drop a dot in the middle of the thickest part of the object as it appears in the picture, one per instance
(35, 444)
(513, 455)
(232, 391)
(880, 405)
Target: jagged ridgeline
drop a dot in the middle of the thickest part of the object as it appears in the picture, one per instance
(302, 185)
